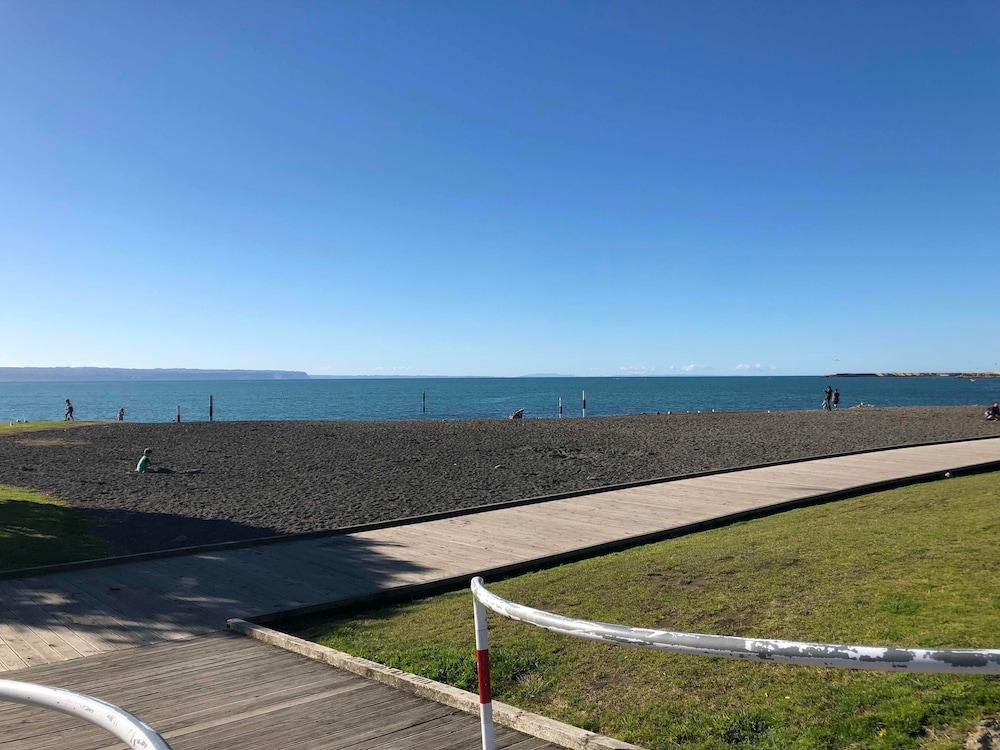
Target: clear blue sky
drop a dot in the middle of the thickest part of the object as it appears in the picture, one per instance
(501, 188)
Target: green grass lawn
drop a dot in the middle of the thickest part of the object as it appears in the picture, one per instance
(916, 566)
(13, 428)
(36, 529)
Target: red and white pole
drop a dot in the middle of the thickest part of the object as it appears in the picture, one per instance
(483, 670)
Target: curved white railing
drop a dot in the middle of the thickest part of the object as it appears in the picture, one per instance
(123, 725)
(883, 658)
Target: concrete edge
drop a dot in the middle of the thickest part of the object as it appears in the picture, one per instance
(441, 515)
(535, 725)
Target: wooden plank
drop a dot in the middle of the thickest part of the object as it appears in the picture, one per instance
(53, 613)
(267, 698)
(23, 642)
(479, 542)
(9, 659)
(109, 620)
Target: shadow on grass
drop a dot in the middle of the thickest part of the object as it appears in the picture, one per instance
(35, 532)
(38, 529)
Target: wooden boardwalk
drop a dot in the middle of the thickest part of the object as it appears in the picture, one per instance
(83, 613)
(227, 692)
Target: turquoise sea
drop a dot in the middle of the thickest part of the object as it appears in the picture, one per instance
(472, 398)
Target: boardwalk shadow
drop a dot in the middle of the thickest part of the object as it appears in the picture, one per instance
(129, 532)
(34, 532)
(74, 613)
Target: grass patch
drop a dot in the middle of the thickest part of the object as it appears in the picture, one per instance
(14, 428)
(37, 529)
(915, 566)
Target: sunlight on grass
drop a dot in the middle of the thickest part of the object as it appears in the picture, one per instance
(13, 428)
(36, 529)
(914, 567)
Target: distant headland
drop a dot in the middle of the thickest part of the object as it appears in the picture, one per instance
(914, 375)
(77, 374)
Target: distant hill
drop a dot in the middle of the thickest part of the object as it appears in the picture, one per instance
(77, 374)
(396, 377)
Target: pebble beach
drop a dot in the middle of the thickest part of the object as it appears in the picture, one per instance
(241, 480)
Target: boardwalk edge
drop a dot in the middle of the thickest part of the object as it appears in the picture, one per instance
(515, 718)
(409, 592)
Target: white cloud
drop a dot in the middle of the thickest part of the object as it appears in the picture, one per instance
(755, 367)
(636, 370)
(691, 368)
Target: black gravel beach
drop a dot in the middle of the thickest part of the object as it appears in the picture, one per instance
(239, 480)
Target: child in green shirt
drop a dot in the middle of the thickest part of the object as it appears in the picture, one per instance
(143, 464)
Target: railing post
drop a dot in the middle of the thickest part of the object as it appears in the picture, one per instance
(483, 671)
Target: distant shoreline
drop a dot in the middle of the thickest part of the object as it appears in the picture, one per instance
(914, 375)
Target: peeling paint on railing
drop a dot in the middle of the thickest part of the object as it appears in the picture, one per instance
(123, 725)
(883, 658)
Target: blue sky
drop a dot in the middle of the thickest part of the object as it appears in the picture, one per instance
(501, 188)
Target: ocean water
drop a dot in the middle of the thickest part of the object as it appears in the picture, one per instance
(472, 398)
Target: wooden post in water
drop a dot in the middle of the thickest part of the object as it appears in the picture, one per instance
(211, 408)
(423, 403)
(560, 407)
(178, 413)
(584, 403)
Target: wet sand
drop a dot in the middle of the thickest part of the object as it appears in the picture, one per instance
(252, 479)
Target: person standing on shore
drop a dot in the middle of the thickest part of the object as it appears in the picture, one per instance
(69, 412)
(836, 397)
(827, 397)
(121, 414)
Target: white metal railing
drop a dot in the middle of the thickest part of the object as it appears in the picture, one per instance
(882, 658)
(123, 725)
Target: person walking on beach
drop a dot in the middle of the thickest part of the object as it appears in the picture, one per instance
(827, 397)
(69, 412)
(836, 397)
(121, 414)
